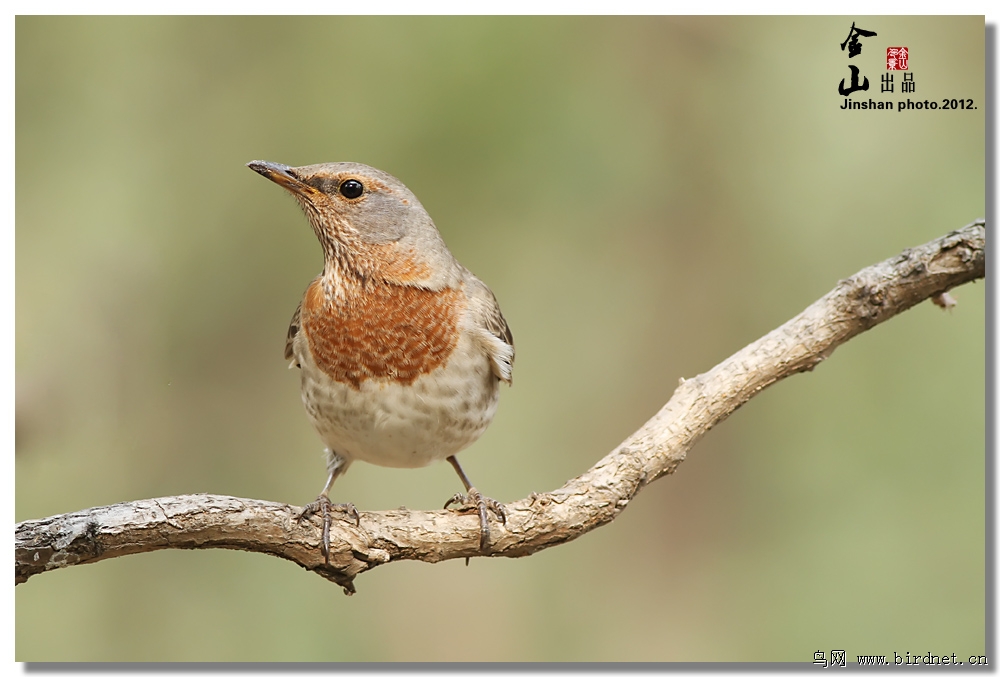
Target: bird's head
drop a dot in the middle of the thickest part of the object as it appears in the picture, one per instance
(367, 221)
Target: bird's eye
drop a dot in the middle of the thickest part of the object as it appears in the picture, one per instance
(351, 189)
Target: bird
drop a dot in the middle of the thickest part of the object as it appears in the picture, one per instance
(401, 349)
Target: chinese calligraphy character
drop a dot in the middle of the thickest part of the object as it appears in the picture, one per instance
(854, 83)
(852, 44)
(853, 48)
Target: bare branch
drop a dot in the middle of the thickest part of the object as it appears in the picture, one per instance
(596, 497)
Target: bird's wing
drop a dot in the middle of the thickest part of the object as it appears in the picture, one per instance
(293, 329)
(494, 332)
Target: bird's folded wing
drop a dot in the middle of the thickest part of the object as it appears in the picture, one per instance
(494, 334)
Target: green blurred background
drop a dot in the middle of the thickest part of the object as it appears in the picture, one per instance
(644, 195)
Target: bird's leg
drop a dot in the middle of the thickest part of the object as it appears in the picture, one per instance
(474, 500)
(336, 465)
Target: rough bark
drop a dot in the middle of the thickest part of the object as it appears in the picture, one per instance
(595, 498)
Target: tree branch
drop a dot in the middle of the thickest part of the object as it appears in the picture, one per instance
(595, 498)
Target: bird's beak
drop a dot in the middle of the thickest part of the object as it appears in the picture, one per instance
(284, 176)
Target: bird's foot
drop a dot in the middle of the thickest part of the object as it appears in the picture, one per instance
(323, 506)
(476, 501)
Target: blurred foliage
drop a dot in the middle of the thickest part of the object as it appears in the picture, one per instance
(644, 195)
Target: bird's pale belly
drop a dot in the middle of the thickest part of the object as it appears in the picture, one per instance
(393, 424)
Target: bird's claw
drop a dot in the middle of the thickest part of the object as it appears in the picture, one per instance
(323, 506)
(476, 501)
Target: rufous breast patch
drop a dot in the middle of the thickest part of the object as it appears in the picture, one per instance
(381, 331)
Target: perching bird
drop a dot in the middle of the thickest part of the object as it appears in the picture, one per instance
(401, 348)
